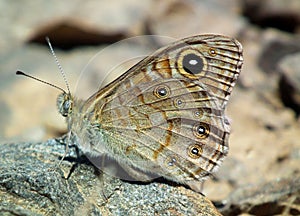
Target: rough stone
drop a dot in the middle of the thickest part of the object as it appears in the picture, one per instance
(279, 14)
(278, 197)
(33, 182)
(289, 83)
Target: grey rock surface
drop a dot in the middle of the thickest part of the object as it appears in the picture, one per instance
(289, 83)
(32, 182)
(277, 197)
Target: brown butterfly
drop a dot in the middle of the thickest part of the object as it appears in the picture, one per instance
(165, 115)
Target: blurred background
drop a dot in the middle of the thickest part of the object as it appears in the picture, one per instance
(265, 105)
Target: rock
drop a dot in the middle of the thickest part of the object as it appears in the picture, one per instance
(276, 45)
(289, 83)
(184, 18)
(68, 34)
(278, 14)
(63, 21)
(33, 182)
(278, 197)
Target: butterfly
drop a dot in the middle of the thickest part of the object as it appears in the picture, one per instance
(164, 117)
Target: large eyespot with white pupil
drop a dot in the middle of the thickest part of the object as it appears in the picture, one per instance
(201, 130)
(195, 151)
(191, 63)
(162, 91)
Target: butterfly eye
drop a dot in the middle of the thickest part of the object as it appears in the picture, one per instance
(195, 151)
(64, 104)
(162, 91)
(67, 105)
(192, 63)
(67, 108)
(201, 130)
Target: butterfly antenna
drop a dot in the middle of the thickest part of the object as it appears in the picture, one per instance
(58, 64)
(42, 81)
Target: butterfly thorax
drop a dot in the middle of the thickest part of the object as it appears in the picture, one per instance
(85, 133)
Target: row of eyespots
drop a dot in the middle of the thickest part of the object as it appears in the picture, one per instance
(201, 130)
(189, 63)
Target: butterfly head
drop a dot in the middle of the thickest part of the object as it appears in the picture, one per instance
(65, 104)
